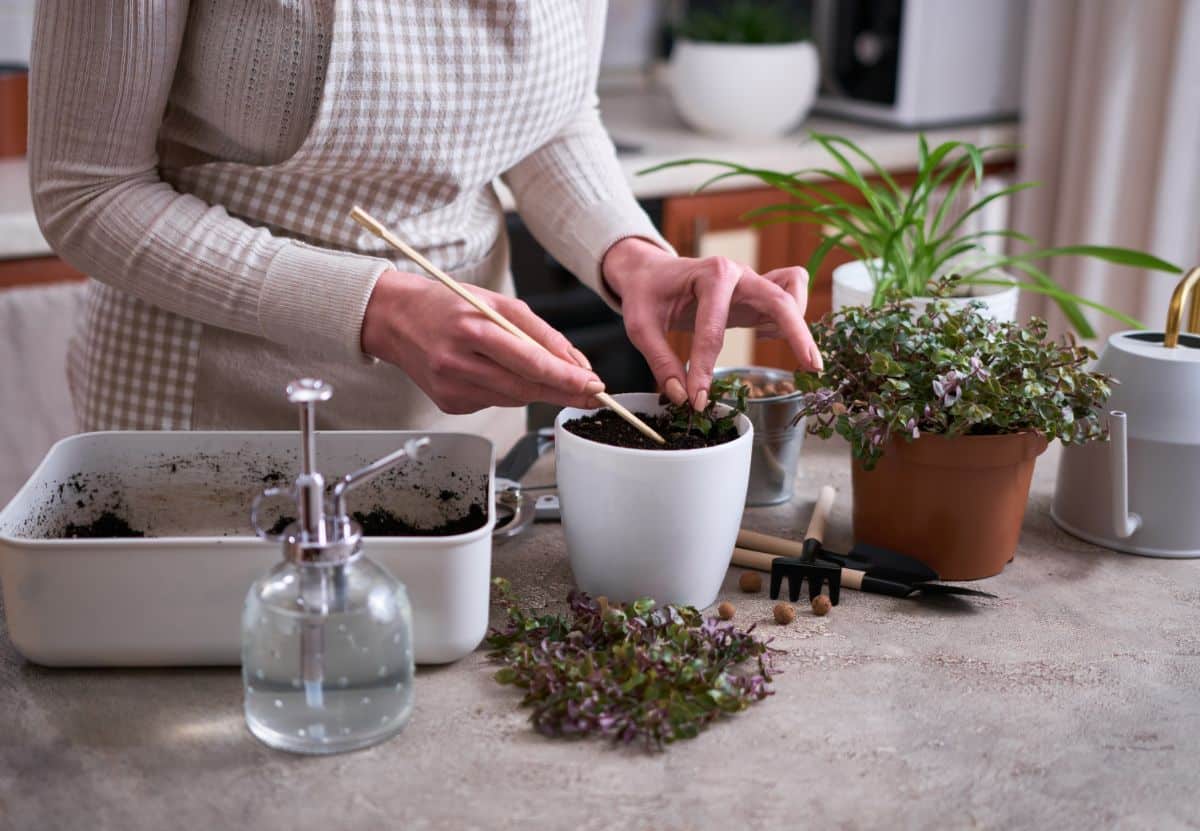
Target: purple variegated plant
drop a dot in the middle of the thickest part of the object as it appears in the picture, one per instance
(889, 373)
(637, 673)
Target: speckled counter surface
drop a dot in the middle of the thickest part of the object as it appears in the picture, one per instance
(1073, 701)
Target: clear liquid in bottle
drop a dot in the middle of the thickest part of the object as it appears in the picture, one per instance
(327, 658)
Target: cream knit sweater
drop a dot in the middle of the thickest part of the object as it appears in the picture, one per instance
(198, 160)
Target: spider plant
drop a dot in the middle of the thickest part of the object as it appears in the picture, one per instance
(742, 21)
(908, 236)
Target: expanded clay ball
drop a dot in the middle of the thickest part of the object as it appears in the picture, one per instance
(821, 605)
(784, 614)
(750, 582)
(725, 611)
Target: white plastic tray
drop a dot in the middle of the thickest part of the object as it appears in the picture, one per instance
(175, 597)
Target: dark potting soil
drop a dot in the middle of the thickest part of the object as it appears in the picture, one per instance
(381, 522)
(108, 524)
(607, 427)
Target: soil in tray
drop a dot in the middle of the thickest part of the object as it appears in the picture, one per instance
(607, 427)
(108, 524)
(381, 522)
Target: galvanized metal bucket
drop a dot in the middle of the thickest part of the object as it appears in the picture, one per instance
(777, 441)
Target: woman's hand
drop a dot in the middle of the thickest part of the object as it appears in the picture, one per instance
(462, 360)
(660, 291)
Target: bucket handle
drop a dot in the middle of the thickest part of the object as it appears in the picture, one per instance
(1124, 522)
(1175, 310)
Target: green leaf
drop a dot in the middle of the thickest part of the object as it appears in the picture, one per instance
(1118, 256)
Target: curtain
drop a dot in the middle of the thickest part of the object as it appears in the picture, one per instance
(1111, 127)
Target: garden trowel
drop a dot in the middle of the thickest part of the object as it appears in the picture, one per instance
(866, 567)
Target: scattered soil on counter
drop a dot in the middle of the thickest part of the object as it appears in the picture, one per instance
(383, 523)
(107, 525)
(607, 427)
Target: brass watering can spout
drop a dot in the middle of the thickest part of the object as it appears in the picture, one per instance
(1175, 310)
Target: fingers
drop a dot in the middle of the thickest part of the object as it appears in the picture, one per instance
(793, 280)
(650, 337)
(535, 364)
(558, 367)
(518, 312)
(777, 300)
(714, 289)
(480, 378)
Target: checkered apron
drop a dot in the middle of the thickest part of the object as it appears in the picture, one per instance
(423, 105)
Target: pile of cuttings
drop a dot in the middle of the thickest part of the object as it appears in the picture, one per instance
(634, 673)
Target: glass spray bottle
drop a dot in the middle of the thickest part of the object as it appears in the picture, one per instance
(327, 656)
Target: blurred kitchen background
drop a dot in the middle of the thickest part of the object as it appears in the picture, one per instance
(1101, 96)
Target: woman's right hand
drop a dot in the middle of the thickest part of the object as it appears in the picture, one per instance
(462, 360)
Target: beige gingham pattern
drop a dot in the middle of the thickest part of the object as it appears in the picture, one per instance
(424, 104)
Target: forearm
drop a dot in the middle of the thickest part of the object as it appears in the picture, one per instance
(104, 208)
(572, 192)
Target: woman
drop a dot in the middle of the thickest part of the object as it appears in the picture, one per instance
(198, 160)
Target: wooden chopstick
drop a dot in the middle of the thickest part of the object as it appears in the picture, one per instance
(378, 229)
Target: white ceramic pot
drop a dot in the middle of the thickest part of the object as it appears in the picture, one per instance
(650, 523)
(747, 91)
(853, 285)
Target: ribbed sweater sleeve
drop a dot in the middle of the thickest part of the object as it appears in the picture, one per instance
(101, 72)
(571, 191)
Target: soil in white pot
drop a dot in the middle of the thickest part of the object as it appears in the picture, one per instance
(606, 427)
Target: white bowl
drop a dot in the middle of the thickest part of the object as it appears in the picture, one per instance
(853, 285)
(650, 523)
(748, 91)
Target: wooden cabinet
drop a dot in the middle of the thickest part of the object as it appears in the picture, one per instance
(36, 270)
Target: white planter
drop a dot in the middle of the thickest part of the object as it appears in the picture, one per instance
(747, 91)
(853, 285)
(650, 523)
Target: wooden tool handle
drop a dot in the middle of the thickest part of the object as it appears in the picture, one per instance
(816, 525)
(779, 546)
(852, 578)
(746, 558)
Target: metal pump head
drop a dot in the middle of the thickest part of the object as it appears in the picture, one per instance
(323, 531)
(310, 484)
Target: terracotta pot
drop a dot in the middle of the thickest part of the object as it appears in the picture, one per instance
(14, 102)
(956, 504)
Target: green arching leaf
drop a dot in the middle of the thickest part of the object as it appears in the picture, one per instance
(951, 195)
(1109, 254)
(852, 178)
(819, 254)
(1052, 290)
(880, 171)
(979, 205)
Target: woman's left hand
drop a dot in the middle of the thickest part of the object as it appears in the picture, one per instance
(660, 291)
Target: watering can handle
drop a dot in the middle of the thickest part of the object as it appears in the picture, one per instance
(1175, 310)
(1124, 522)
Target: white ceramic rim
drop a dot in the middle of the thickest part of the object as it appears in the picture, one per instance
(571, 413)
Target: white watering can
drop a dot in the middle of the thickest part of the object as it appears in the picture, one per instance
(1138, 493)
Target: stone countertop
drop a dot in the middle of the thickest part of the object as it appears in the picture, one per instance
(1069, 702)
(648, 132)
